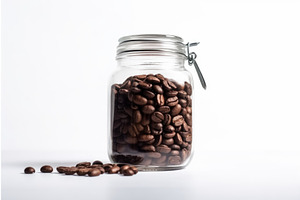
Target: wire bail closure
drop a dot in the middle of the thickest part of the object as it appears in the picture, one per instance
(191, 56)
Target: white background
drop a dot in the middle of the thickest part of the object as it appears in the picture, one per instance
(57, 57)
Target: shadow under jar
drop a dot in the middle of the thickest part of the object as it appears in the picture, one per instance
(151, 103)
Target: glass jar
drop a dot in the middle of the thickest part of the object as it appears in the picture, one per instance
(151, 103)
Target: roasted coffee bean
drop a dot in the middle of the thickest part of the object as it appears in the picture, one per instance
(123, 91)
(141, 77)
(147, 129)
(126, 84)
(176, 110)
(153, 155)
(145, 120)
(172, 93)
(183, 111)
(188, 119)
(46, 169)
(160, 99)
(128, 172)
(85, 164)
(183, 102)
(148, 94)
(175, 153)
(157, 126)
(137, 116)
(160, 77)
(157, 89)
(178, 139)
(130, 140)
(172, 85)
(160, 160)
(164, 109)
(71, 170)
(114, 170)
(158, 140)
(148, 109)
(148, 148)
(107, 167)
(175, 147)
(174, 160)
(178, 120)
(134, 169)
(144, 85)
(157, 117)
(83, 171)
(169, 128)
(172, 101)
(166, 85)
(94, 172)
(133, 131)
(139, 127)
(168, 141)
(188, 137)
(135, 90)
(182, 94)
(139, 100)
(188, 88)
(184, 154)
(123, 168)
(189, 103)
(163, 149)
(61, 169)
(150, 141)
(29, 170)
(145, 138)
(169, 135)
(167, 119)
(152, 79)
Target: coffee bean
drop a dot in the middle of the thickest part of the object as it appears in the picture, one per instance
(189, 110)
(123, 168)
(188, 88)
(137, 116)
(145, 120)
(130, 140)
(157, 126)
(97, 162)
(175, 147)
(163, 149)
(134, 169)
(172, 93)
(164, 109)
(153, 155)
(188, 118)
(61, 169)
(160, 99)
(46, 169)
(85, 164)
(141, 77)
(157, 117)
(152, 79)
(158, 140)
(182, 94)
(114, 170)
(183, 102)
(178, 120)
(139, 100)
(135, 90)
(148, 94)
(176, 110)
(71, 170)
(132, 129)
(169, 135)
(160, 77)
(107, 167)
(172, 85)
(29, 170)
(94, 172)
(144, 85)
(178, 139)
(145, 138)
(148, 109)
(174, 160)
(83, 171)
(148, 148)
(169, 128)
(168, 141)
(166, 85)
(157, 89)
(184, 154)
(128, 172)
(167, 119)
(126, 84)
(172, 101)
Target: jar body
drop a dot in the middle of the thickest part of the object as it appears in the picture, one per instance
(151, 115)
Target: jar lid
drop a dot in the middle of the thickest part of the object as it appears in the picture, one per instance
(151, 43)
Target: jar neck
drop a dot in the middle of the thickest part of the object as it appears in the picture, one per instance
(152, 62)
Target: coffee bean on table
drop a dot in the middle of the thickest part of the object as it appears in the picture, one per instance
(29, 170)
(61, 169)
(83, 171)
(46, 169)
(128, 172)
(85, 164)
(97, 162)
(94, 172)
(71, 170)
(114, 170)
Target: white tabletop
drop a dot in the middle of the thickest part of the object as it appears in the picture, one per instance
(210, 175)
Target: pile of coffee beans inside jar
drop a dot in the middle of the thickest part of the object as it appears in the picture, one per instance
(87, 169)
(151, 121)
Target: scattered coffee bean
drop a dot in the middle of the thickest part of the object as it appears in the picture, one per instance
(61, 169)
(84, 164)
(71, 170)
(83, 171)
(114, 170)
(46, 169)
(94, 172)
(29, 170)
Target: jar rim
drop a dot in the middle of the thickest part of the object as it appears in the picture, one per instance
(150, 42)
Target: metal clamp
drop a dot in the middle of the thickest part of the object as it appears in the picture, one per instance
(192, 60)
